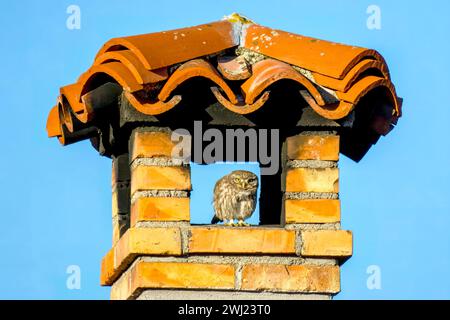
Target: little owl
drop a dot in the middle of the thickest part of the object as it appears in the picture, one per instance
(235, 197)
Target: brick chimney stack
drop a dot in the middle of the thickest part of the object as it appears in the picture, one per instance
(161, 255)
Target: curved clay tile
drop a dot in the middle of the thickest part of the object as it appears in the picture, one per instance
(64, 111)
(55, 128)
(233, 67)
(332, 111)
(152, 108)
(192, 69)
(348, 100)
(70, 93)
(363, 86)
(115, 70)
(269, 71)
(240, 108)
(129, 59)
(162, 49)
(324, 57)
(345, 84)
(53, 125)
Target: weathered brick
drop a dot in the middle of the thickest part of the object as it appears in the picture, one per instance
(241, 240)
(305, 147)
(160, 209)
(326, 243)
(146, 275)
(135, 242)
(107, 268)
(147, 241)
(185, 275)
(121, 289)
(148, 144)
(160, 178)
(291, 278)
(312, 211)
(312, 180)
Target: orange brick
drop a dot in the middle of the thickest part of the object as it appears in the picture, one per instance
(312, 180)
(107, 268)
(312, 211)
(241, 240)
(304, 147)
(147, 241)
(162, 178)
(326, 243)
(147, 275)
(135, 242)
(291, 278)
(148, 144)
(160, 209)
(185, 275)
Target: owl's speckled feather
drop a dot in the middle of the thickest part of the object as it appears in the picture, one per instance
(235, 197)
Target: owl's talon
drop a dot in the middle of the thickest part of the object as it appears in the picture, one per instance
(230, 223)
(242, 223)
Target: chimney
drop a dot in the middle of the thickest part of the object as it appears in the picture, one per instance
(321, 98)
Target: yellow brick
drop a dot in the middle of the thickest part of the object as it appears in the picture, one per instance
(242, 240)
(312, 211)
(148, 144)
(291, 278)
(326, 243)
(312, 180)
(160, 178)
(121, 289)
(304, 147)
(147, 241)
(160, 209)
(148, 275)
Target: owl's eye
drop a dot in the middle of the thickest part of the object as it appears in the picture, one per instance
(236, 180)
(252, 180)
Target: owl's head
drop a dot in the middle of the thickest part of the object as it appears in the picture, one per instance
(244, 180)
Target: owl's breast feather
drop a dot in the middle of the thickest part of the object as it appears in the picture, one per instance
(245, 195)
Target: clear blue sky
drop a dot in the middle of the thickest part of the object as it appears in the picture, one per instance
(56, 201)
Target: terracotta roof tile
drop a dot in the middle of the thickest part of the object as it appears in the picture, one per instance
(134, 65)
(233, 68)
(196, 68)
(377, 68)
(267, 72)
(162, 49)
(150, 69)
(53, 125)
(309, 53)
